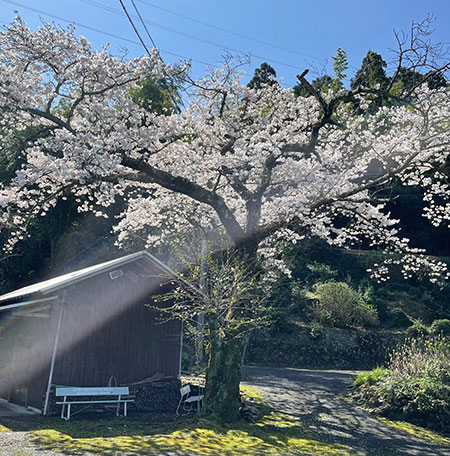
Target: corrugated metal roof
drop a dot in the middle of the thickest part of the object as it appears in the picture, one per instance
(48, 286)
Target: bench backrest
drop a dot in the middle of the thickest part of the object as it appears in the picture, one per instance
(92, 391)
(185, 390)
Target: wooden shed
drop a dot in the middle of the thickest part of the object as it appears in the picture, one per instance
(86, 328)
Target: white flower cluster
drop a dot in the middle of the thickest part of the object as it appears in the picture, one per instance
(237, 161)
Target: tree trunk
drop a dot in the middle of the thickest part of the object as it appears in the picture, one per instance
(226, 350)
(223, 376)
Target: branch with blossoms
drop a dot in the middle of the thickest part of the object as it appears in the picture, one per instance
(220, 285)
(237, 162)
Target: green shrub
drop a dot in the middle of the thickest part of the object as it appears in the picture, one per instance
(421, 358)
(321, 272)
(417, 329)
(370, 378)
(338, 304)
(316, 330)
(398, 319)
(280, 323)
(440, 327)
(416, 385)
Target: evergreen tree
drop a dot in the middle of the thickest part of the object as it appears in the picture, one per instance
(340, 64)
(326, 82)
(405, 81)
(321, 84)
(371, 73)
(264, 75)
(160, 96)
(436, 80)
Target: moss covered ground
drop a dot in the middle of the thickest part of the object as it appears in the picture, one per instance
(201, 438)
(274, 433)
(417, 431)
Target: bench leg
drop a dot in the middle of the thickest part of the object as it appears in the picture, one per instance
(125, 408)
(62, 410)
(118, 407)
(68, 412)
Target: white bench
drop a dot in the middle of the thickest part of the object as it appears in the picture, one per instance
(74, 395)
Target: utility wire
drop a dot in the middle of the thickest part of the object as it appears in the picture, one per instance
(265, 43)
(172, 96)
(188, 35)
(143, 23)
(135, 29)
(103, 32)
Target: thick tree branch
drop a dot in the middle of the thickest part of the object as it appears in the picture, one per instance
(186, 187)
(49, 116)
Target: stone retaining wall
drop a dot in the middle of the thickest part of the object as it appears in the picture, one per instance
(329, 348)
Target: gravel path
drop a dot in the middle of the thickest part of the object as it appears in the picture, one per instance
(18, 444)
(311, 396)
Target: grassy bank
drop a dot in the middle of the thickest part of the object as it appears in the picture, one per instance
(415, 385)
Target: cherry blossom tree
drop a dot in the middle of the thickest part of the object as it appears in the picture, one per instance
(248, 166)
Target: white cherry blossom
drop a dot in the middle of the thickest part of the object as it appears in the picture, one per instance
(249, 164)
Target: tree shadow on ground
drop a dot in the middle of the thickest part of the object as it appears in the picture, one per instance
(312, 397)
(274, 433)
(304, 415)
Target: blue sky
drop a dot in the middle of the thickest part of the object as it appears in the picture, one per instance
(289, 34)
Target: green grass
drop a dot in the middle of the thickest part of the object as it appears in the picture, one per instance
(371, 377)
(252, 393)
(274, 433)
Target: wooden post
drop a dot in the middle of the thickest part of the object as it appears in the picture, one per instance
(55, 349)
(201, 316)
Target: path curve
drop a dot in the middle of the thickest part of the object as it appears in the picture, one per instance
(312, 397)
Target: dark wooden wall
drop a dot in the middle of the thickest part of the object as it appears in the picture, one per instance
(25, 347)
(106, 331)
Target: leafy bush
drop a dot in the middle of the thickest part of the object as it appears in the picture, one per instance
(338, 304)
(440, 327)
(321, 272)
(421, 357)
(316, 330)
(279, 323)
(417, 329)
(416, 385)
(370, 378)
(398, 319)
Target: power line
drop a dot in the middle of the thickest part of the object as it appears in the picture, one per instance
(188, 35)
(134, 28)
(265, 43)
(148, 33)
(103, 32)
(143, 23)
(172, 96)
